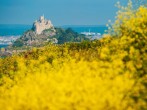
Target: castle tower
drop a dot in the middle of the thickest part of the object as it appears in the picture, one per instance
(41, 25)
(41, 18)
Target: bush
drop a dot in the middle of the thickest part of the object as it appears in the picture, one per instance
(18, 43)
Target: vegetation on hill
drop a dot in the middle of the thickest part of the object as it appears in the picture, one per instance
(68, 35)
(105, 74)
(30, 38)
(59, 35)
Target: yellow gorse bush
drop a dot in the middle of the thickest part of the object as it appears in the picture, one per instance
(105, 74)
(75, 86)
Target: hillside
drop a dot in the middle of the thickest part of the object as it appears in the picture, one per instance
(30, 38)
(57, 36)
(43, 32)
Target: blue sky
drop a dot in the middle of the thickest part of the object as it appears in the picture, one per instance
(60, 12)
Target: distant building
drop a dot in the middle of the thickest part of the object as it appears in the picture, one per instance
(41, 25)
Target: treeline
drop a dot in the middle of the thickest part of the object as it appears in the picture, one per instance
(68, 35)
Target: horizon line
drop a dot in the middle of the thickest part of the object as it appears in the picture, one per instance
(64, 25)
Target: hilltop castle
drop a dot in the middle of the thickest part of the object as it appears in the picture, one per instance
(42, 24)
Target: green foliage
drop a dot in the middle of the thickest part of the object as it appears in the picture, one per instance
(18, 43)
(68, 35)
(47, 30)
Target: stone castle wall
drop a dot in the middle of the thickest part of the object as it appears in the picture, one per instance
(41, 25)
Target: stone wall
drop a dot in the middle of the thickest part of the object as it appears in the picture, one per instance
(41, 25)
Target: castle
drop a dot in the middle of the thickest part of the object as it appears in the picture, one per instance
(41, 25)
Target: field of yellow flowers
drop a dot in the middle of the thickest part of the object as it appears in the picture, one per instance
(105, 74)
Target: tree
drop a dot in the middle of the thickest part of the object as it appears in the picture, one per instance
(126, 17)
(18, 43)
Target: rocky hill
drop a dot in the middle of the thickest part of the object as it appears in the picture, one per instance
(40, 33)
(43, 31)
